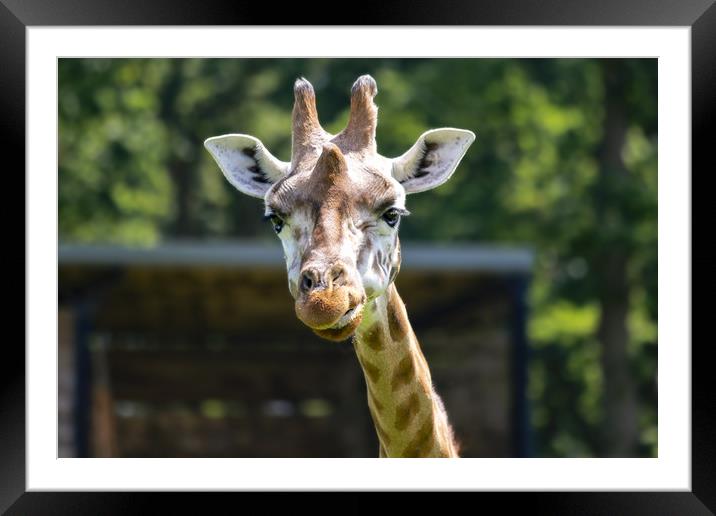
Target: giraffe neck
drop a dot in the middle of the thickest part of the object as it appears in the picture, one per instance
(409, 416)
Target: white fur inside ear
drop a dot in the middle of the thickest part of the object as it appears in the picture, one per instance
(246, 163)
(432, 160)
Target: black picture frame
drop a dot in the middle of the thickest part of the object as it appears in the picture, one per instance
(17, 15)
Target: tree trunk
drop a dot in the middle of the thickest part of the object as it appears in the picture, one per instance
(620, 431)
(181, 171)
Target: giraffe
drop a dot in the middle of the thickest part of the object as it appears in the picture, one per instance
(336, 207)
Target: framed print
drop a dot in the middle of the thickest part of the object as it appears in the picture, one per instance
(531, 277)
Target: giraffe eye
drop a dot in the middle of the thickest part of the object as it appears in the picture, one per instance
(276, 222)
(391, 217)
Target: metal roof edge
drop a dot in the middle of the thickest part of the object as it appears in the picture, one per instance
(496, 258)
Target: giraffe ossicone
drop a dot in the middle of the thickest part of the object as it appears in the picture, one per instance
(336, 207)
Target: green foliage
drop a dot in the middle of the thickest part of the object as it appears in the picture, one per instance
(132, 170)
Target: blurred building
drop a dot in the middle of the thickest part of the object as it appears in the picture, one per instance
(192, 349)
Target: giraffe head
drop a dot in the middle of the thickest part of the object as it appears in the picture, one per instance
(336, 206)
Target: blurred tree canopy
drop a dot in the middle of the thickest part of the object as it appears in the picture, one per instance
(565, 161)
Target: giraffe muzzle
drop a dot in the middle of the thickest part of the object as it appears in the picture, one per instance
(332, 313)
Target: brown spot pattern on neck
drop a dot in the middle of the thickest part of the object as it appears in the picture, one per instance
(373, 338)
(406, 411)
(397, 320)
(372, 371)
(418, 446)
(404, 373)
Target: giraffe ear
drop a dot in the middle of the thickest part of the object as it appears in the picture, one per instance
(246, 163)
(432, 160)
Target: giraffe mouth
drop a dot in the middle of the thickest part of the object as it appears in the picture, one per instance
(347, 317)
(344, 327)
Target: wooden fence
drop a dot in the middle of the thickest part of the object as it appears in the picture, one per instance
(210, 361)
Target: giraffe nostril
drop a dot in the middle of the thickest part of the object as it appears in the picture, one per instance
(337, 275)
(306, 282)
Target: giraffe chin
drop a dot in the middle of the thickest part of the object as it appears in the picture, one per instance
(344, 332)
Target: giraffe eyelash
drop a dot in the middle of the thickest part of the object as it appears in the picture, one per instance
(400, 211)
(276, 220)
(271, 214)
